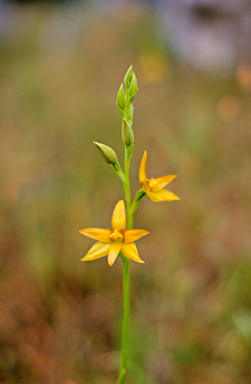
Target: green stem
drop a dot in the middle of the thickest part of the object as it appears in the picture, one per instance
(129, 216)
(126, 298)
(126, 265)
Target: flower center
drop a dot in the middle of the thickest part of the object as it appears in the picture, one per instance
(116, 236)
(148, 184)
(152, 183)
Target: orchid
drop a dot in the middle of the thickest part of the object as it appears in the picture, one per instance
(112, 241)
(120, 240)
(153, 188)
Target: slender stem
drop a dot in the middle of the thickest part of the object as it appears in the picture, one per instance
(126, 265)
(126, 262)
(126, 297)
(129, 216)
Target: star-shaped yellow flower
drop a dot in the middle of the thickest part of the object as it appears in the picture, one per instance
(112, 241)
(153, 188)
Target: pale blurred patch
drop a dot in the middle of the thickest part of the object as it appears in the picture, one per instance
(153, 68)
(102, 38)
(243, 75)
(229, 107)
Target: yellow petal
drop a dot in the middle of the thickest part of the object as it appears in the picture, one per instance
(113, 252)
(119, 216)
(161, 182)
(166, 195)
(130, 251)
(131, 235)
(153, 196)
(142, 169)
(97, 234)
(98, 250)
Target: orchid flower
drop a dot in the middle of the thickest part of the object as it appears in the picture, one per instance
(153, 188)
(112, 241)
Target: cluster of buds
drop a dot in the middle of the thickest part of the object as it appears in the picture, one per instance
(125, 97)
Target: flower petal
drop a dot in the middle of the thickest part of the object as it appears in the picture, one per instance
(153, 196)
(97, 234)
(119, 216)
(131, 235)
(162, 181)
(166, 195)
(113, 252)
(99, 249)
(130, 251)
(142, 169)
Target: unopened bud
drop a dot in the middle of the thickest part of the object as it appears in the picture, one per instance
(128, 78)
(121, 100)
(107, 153)
(127, 133)
(133, 89)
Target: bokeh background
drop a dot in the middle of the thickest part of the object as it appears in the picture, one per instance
(61, 65)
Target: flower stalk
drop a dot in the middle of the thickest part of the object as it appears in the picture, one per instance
(126, 269)
(126, 263)
(126, 317)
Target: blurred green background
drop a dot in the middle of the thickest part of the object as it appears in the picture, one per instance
(60, 318)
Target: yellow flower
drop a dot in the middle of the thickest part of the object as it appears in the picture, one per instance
(112, 241)
(153, 188)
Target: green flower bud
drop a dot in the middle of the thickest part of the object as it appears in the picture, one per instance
(107, 153)
(128, 78)
(133, 89)
(127, 133)
(121, 100)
